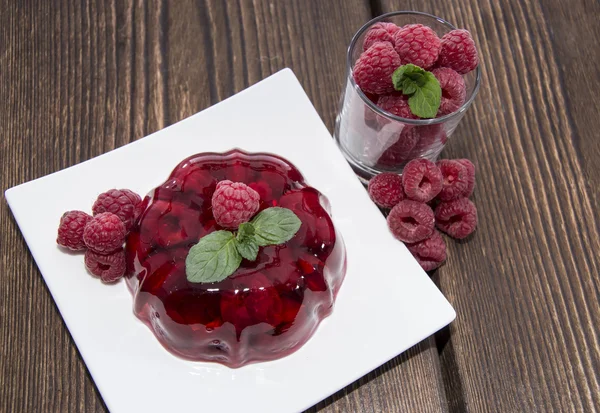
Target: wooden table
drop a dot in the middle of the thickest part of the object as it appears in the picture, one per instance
(79, 78)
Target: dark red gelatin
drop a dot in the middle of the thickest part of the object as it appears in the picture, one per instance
(269, 307)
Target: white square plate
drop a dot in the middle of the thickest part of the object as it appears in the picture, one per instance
(387, 303)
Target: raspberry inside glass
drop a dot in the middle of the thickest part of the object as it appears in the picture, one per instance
(269, 307)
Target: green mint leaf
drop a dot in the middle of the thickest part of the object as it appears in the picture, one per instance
(425, 102)
(245, 241)
(408, 78)
(245, 231)
(421, 86)
(248, 248)
(399, 76)
(408, 86)
(274, 226)
(214, 258)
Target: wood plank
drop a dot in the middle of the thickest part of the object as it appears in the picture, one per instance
(526, 286)
(577, 72)
(53, 85)
(81, 78)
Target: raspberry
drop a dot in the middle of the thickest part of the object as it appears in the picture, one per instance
(400, 151)
(386, 190)
(396, 104)
(380, 32)
(411, 221)
(470, 176)
(373, 69)
(422, 180)
(453, 90)
(313, 269)
(456, 218)
(429, 253)
(108, 267)
(426, 136)
(70, 230)
(105, 233)
(172, 223)
(122, 202)
(371, 118)
(417, 44)
(234, 203)
(455, 180)
(373, 98)
(458, 51)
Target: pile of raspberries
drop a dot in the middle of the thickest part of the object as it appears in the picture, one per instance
(387, 46)
(102, 235)
(428, 195)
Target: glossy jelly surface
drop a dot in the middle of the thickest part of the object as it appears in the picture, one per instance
(269, 307)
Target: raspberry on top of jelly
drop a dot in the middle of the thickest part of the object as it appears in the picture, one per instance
(267, 308)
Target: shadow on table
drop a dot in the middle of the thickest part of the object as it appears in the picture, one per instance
(452, 382)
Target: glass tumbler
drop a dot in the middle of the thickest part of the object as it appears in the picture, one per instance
(375, 141)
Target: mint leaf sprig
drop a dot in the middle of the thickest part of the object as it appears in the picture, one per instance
(217, 255)
(422, 87)
(246, 243)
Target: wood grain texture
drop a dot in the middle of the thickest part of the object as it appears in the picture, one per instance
(81, 78)
(526, 286)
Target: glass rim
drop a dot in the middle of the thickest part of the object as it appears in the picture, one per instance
(389, 115)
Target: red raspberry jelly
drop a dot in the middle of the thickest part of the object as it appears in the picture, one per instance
(269, 307)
